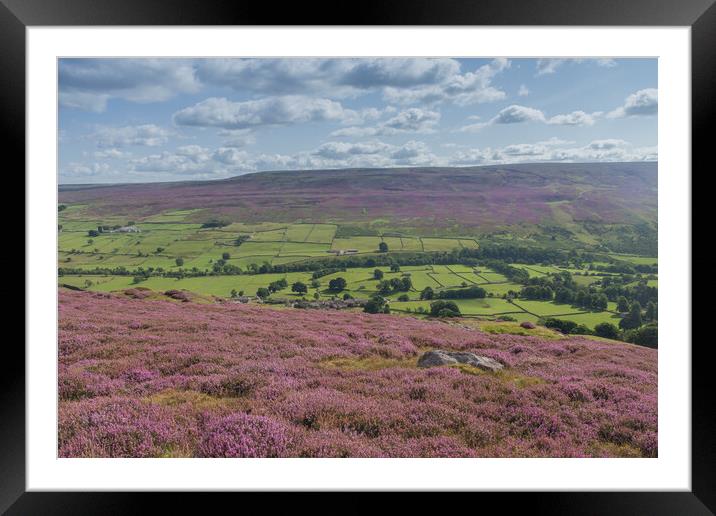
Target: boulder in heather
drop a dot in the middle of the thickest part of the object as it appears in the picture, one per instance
(439, 358)
(528, 325)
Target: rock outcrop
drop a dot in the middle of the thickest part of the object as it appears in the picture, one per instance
(439, 358)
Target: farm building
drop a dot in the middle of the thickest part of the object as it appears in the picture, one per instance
(127, 229)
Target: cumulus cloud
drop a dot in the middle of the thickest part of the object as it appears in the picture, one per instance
(461, 88)
(641, 103)
(574, 118)
(523, 91)
(270, 111)
(89, 84)
(343, 150)
(550, 66)
(337, 77)
(555, 150)
(413, 120)
(111, 153)
(145, 135)
(516, 114)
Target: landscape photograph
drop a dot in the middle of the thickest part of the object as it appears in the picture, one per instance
(376, 257)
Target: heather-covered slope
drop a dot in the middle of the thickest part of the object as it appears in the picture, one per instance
(465, 200)
(156, 378)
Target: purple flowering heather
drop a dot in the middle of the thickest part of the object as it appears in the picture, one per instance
(145, 378)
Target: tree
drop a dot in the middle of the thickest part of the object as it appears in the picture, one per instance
(651, 311)
(225, 256)
(347, 296)
(427, 293)
(442, 308)
(622, 304)
(337, 284)
(606, 330)
(403, 297)
(385, 288)
(378, 274)
(406, 284)
(299, 288)
(395, 267)
(93, 233)
(647, 335)
(383, 247)
(234, 294)
(376, 305)
(633, 319)
(599, 302)
(263, 293)
(179, 262)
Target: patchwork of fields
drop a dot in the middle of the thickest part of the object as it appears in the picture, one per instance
(362, 284)
(170, 241)
(165, 238)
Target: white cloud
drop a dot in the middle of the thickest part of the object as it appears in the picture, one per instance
(574, 118)
(146, 135)
(111, 153)
(462, 89)
(412, 120)
(343, 150)
(288, 110)
(641, 103)
(554, 150)
(523, 91)
(334, 77)
(89, 84)
(550, 66)
(516, 114)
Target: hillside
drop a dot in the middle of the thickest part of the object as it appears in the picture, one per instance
(147, 378)
(471, 200)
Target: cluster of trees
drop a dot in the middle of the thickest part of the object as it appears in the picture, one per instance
(377, 305)
(471, 292)
(562, 288)
(443, 308)
(274, 286)
(647, 335)
(325, 272)
(337, 284)
(241, 239)
(402, 284)
(215, 223)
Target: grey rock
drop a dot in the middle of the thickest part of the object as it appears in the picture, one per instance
(439, 357)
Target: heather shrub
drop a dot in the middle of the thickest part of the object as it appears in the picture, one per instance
(244, 435)
(118, 427)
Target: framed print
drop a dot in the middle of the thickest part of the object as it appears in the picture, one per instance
(428, 251)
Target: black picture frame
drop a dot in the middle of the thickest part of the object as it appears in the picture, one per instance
(700, 15)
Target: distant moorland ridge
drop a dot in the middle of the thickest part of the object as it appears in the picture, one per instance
(473, 199)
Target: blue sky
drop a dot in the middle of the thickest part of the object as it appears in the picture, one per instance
(142, 120)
